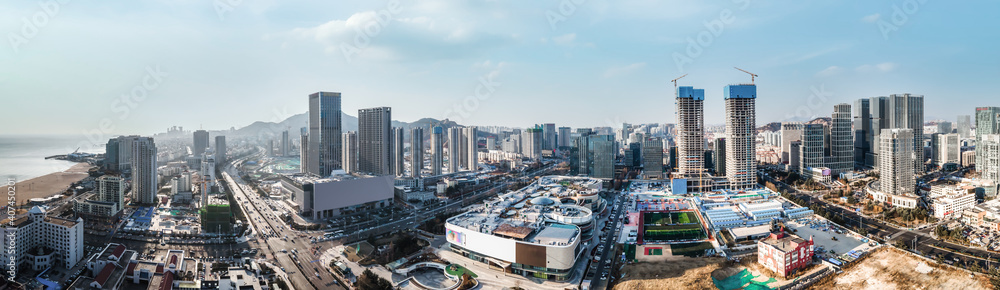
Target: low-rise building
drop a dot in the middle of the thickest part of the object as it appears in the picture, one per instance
(784, 253)
(106, 270)
(341, 193)
(948, 201)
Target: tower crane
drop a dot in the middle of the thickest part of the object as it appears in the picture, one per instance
(675, 81)
(752, 75)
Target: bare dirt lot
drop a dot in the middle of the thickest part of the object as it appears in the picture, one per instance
(678, 273)
(889, 268)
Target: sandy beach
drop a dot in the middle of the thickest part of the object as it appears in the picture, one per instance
(49, 184)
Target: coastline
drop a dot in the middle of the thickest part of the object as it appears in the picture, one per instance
(49, 184)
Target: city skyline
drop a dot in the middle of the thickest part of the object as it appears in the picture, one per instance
(536, 57)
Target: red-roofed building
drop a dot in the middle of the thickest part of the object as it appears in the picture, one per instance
(168, 281)
(102, 278)
(784, 254)
(117, 253)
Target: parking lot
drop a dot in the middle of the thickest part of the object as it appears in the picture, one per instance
(823, 234)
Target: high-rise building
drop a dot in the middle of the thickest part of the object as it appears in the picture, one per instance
(454, 148)
(690, 130)
(284, 144)
(879, 112)
(790, 132)
(144, 183)
(200, 142)
(532, 143)
(964, 126)
(416, 151)
(564, 137)
(652, 158)
(945, 148)
(896, 176)
(811, 151)
(437, 150)
(602, 155)
(472, 158)
(111, 155)
(324, 133)
(907, 111)
(398, 148)
(944, 127)
(795, 161)
(719, 149)
(841, 140)
(220, 149)
(987, 122)
(349, 143)
(304, 150)
(989, 165)
(375, 141)
(41, 242)
(580, 157)
(862, 121)
(741, 128)
(549, 136)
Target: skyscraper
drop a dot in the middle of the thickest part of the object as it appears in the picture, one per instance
(944, 127)
(220, 149)
(907, 111)
(349, 143)
(690, 130)
(111, 155)
(532, 143)
(564, 137)
(375, 140)
(879, 112)
(304, 150)
(862, 122)
(719, 150)
(437, 150)
(987, 119)
(416, 151)
(990, 165)
(811, 150)
(144, 183)
(284, 144)
(946, 148)
(790, 132)
(964, 126)
(741, 129)
(549, 136)
(841, 140)
(200, 142)
(896, 162)
(397, 151)
(454, 148)
(324, 133)
(652, 158)
(472, 158)
(601, 154)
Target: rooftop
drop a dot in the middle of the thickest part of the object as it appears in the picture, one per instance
(61, 221)
(783, 242)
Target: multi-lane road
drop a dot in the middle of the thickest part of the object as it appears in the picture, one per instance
(606, 261)
(290, 249)
(921, 239)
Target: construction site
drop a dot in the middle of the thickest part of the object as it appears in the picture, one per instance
(891, 268)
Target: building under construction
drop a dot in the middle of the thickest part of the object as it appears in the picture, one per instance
(690, 131)
(741, 129)
(216, 218)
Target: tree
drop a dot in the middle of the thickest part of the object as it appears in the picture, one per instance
(370, 281)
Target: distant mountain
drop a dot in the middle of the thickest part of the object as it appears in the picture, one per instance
(349, 123)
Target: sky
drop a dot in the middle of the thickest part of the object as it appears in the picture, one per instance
(138, 67)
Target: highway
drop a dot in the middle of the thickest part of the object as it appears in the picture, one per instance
(889, 234)
(295, 254)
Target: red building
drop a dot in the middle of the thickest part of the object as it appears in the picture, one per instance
(784, 253)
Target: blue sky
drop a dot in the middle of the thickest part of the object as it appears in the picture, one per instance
(65, 67)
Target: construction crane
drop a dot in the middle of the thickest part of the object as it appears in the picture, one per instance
(675, 81)
(752, 75)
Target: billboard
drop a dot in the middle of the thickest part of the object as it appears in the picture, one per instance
(455, 237)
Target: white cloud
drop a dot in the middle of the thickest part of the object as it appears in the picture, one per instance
(881, 67)
(830, 71)
(617, 71)
(871, 18)
(564, 39)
